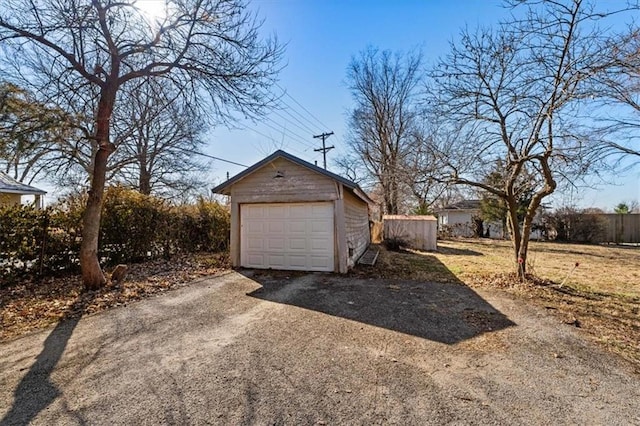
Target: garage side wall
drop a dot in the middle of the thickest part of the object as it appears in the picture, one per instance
(356, 214)
(282, 181)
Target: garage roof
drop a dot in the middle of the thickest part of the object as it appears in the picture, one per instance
(9, 185)
(223, 188)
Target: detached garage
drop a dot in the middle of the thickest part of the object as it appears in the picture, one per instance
(289, 214)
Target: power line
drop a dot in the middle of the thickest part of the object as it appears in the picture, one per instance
(304, 129)
(273, 140)
(310, 127)
(301, 106)
(284, 130)
(215, 158)
(314, 127)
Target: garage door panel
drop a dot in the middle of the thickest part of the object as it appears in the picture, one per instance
(318, 211)
(321, 262)
(298, 226)
(255, 259)
(287, 236)
(321, 227)
(276, 261)
(321, 245)
(298, 244)
(275, 244)
(256, 212)
(298, 261)
(276, 227)
(299, 211)
(255, 244)
(276, 212)
(255, 227)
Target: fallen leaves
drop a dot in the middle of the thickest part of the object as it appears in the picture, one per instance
(34, 304)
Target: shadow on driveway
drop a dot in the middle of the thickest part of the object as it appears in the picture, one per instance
(35, 391)
(447, 313)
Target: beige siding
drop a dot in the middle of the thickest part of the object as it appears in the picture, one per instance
(356, 214)
(9, 199)
(296, 184)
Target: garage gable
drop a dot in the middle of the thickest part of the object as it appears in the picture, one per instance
(282, 177)
(282, 180)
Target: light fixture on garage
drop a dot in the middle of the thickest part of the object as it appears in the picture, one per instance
(278, 175)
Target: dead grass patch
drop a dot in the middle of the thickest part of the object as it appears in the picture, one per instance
(35, 304)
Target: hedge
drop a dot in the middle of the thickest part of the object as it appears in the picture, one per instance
(134, 227)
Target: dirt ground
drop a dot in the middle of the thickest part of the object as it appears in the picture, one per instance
(279, 348)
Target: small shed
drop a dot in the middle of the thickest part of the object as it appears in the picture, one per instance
(420, 232)
(289, 214)
(12, 191)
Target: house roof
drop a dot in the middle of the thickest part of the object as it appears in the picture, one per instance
(9, 185)
(223, 187)
(462, 205)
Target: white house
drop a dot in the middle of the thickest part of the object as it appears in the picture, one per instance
(12, 191)
(457, 218)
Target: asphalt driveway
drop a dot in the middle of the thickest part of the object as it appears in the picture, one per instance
(268, 348)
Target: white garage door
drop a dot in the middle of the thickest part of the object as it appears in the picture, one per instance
(287, 236)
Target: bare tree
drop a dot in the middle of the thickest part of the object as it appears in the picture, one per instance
(513, 94)
(29, 133)
(210, 46)
(384, 87)
(158, 132)
(618, 115)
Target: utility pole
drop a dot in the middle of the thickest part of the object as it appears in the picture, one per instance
(324, 148)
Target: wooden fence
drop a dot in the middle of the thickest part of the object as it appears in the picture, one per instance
(621, 228)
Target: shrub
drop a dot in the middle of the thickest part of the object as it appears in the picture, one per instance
(22, 228)
(394, 243)
(573, 225)
(134, 227)
(131, 226)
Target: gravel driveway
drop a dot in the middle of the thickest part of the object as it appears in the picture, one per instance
(267, 348)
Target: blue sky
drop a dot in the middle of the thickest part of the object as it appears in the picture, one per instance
(321, 38)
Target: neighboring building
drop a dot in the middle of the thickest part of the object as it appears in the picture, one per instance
(288, 214)
(12, 191)
(457, 218)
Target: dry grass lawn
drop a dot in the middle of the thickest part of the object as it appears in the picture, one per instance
(601, 295)
(608, 269)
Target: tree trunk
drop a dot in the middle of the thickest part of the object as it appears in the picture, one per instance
(516, 236)
(92, 276)
(144, 185)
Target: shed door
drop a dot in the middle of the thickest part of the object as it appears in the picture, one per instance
(287, 236)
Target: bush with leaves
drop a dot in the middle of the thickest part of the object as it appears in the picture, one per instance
(573, 225)
(134, 227)
(21, 230)
(131, 226)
